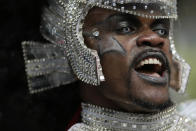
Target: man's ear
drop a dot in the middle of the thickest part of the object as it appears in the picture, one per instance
(175, 78)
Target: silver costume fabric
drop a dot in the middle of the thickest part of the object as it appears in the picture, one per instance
(188, 109)
(95, 118)
(46, 66)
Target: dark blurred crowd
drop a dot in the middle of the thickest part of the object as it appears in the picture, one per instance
(20, 111)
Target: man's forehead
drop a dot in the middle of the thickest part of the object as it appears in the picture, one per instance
(97, 15)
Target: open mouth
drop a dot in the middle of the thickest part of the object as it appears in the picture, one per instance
(153, 67)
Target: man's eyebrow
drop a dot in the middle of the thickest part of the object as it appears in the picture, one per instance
(107, 19)
(166, 22)
(127, 17)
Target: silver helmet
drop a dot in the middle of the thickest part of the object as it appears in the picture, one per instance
(67, 58)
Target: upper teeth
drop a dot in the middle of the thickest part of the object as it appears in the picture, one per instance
(150, 61)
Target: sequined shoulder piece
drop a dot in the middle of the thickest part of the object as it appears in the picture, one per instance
(80, 127)
(46, 66)
(188, 109)
(185, 124)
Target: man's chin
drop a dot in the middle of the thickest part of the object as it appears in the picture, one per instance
(148, 95)
(150, 106)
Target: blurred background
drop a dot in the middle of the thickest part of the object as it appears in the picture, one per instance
(185, 39)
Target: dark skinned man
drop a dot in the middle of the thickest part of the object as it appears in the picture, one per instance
(123, 54)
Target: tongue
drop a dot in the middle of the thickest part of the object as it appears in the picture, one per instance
(153, 74)
(150, 70)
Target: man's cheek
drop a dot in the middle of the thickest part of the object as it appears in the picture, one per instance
(175, 75)
(114, 65)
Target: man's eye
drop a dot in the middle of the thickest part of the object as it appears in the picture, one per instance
(161, 32)
(126, 30)
(125, 27)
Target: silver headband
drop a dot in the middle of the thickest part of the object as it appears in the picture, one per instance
(62, 24)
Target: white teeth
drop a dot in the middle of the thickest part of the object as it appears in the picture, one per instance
(154, 60)
(150, 61)
(146, 62)
(142, 63)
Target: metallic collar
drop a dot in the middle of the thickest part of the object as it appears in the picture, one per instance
(100, 118)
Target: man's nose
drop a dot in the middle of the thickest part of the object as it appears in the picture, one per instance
(153, 40)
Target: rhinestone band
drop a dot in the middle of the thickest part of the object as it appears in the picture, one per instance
(106, 118)
(97, 118)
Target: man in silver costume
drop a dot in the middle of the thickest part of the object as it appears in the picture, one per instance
(123, 54)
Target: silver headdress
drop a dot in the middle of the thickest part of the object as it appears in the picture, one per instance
(68, 59)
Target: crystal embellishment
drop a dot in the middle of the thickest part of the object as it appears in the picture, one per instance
(124, 124)
(121, 121)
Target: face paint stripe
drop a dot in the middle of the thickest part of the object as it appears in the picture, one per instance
(117, 42)
(113, 47)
